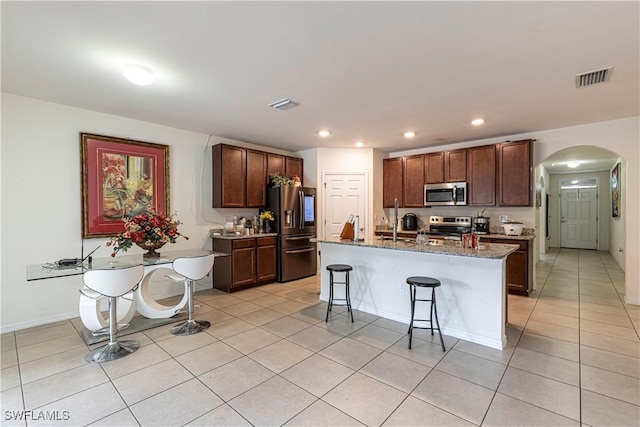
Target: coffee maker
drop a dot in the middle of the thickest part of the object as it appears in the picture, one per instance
(481, 225)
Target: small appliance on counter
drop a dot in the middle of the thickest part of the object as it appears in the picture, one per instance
(481, 223)
(410, 222)
(512, 228)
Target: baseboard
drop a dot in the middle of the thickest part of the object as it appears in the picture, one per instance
(632, 301)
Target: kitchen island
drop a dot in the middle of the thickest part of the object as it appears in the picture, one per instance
(471, 300)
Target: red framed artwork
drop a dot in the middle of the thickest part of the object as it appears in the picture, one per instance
(120, 178)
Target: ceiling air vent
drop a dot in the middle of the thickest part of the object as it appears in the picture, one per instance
(593, 77)
(284, 104)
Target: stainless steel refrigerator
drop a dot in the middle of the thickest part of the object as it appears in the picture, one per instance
(294, 209)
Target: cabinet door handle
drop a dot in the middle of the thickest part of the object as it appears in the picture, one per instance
(299, 251)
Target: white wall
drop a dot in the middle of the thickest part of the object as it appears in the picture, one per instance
(41, 215)
(343, 160)
(620, 136)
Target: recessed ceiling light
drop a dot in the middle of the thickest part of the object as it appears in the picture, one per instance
(477, 122)
(324, 133)
(409, 134)
(359, 144)
(138, 74)
(573, 165)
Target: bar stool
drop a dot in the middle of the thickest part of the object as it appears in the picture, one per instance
(339, 268)
(189, 270)
(416, 282)
(113, 283)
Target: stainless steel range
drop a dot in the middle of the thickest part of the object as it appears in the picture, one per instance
(449, 227)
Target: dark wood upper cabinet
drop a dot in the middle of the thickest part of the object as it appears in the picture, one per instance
(455, 166)
(515, 167)
(275, 164)
(256, 179)
(293, 166)
(240, 175)
(413, 179)
(392, 181)
(481, 175)
(434, 168)
(229, 173)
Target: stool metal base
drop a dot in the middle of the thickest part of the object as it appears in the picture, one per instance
(424, 282)
(339, 268)
(190, 327)
(112, 351)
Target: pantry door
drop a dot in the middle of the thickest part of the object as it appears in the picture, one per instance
(344, 194)
(579, 227)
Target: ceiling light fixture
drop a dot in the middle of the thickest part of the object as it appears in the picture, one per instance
(477, 122)
(409, 134)
(324, 133)
(573, 165)
(138, 74)
(359, 144)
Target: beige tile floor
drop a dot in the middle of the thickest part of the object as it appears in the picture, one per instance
(270, 359)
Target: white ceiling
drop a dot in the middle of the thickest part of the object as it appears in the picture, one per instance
(364, 70)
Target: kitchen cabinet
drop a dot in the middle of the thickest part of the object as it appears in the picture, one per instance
(266, 253)
(434, 168)
(455, 166)
(413, 182)
(515, 168)
(293, 166)
(519, 265)
(275, 164)
(256, 188)
(446, 166)
(240, 176)
(392, 181)
(229, 176)
(481, 175)
(252, 262)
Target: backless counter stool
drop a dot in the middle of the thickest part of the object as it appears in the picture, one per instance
(189, 270)
(416, 282)
(339, 268)
(113, 283)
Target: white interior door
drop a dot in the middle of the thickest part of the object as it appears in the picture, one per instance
(579, 223)
(345, 194)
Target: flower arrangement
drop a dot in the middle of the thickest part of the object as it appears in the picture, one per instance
(147, 229)
(267, 216)
(278, 180)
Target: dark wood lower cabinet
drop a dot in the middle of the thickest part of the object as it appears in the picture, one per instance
(519, 265)
(252, 262)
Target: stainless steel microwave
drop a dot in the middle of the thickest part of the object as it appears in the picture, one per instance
(447, 194)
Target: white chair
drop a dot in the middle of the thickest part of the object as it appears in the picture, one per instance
(189, 270)
(113, 283)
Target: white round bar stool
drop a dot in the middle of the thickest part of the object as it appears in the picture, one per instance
(113, 283)
(189, 270)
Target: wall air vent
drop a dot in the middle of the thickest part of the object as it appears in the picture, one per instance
(593, 77)
(284, 104)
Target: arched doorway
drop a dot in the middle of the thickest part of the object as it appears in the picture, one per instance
(564, 184)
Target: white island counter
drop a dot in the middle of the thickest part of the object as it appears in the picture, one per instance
(471, 300)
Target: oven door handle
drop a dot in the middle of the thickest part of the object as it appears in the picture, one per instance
(299, 251)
